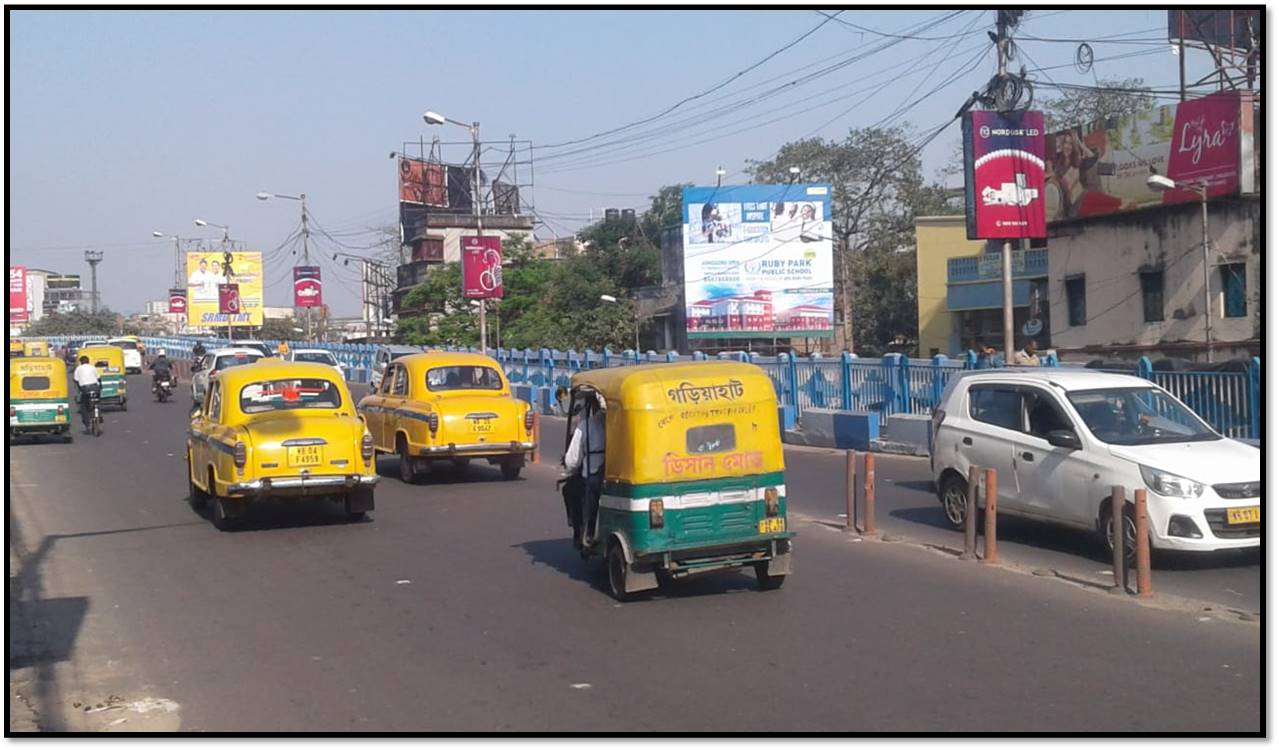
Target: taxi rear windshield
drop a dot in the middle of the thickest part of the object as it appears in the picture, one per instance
(289, 393)
(463, 377)
(35, 383)
(231, 360)
(125, 344)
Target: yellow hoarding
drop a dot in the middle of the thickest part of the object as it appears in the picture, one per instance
(205, 272)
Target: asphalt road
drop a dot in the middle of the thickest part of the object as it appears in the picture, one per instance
(462, 606)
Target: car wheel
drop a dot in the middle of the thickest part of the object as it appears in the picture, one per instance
(197, 497)
(408, 467)
(617, 572)
(954, 500)
(511, 468)
(222, 520)
(767, 582)
(1130, 532)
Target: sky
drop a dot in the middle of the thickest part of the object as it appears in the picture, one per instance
(121, 123)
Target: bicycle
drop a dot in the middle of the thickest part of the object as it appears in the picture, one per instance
(90, 414)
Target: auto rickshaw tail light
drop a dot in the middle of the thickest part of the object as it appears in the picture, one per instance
(771, 506)
(656, 514)
(366, 447)
(241, 456)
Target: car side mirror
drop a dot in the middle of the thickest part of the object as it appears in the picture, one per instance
(1064, 439)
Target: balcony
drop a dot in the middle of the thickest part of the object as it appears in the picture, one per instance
(1027, 264)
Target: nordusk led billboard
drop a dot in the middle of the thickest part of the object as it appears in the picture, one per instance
(758, 261)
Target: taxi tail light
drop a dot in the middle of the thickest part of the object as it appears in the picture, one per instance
(433, 421)
(656, 514)
(241, 455)
(771, 505)
(366, 447)
(528, 420)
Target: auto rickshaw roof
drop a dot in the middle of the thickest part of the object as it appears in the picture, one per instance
(28, 363)
(646, 386)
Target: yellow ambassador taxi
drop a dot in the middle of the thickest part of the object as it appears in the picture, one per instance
(449, 406)
(278, 430)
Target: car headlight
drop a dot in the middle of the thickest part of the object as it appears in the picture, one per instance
(1170, 485)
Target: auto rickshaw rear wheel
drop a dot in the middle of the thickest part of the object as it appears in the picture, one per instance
(767, 582)
(615, 560)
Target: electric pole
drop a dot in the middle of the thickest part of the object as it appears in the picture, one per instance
(93, 258)
(1004, 19)
(306, 257)
(479, 228)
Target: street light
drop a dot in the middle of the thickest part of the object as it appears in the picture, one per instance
(719, 175)
(306, 236)
(1161, 183)
(613, 301)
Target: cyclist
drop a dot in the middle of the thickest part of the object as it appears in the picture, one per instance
(86, 380)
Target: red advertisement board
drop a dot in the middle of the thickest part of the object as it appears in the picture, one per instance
(308, 291)
(229, 299)
(178, 301)
(1004, 174)
(17, 294)
(1205, 147)
(481, 267)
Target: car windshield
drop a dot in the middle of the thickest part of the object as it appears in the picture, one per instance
(289, 393)
(1138, 416)
(231, 360)
(463, 377)
(125, 344)
(323, 358)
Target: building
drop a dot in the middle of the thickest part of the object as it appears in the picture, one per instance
(63, 294)
(156, 307)
(938, 239)
(439, 240)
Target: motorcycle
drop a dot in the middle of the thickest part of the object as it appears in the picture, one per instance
(163, 389)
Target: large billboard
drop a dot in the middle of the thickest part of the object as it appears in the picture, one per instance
(482, 267)
(758, 261)
(422, 182)
(206, 274)
(18, 294)
(1004, 174)
(1102, 167)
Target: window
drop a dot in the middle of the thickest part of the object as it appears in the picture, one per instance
(463, 377)
(1138, 416)
(1152, 295)
(997, 405)
(323, 358)
(401, 386)
(712, 438)
(1076, 307)
(289, 393)
(215, 402)
(232, 360)
(1043, 415)
(388, 381)
(1234, 287)
(35, 383)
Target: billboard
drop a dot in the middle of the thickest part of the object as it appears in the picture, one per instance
(18, 294)
(1101, 167)
(1234, 29)
(481, 267)
(308, 291)
(178, 301)
(758, 261)
(422, 182)
(1004, 174)
(206, 275)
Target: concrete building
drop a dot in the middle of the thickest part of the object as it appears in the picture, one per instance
(938, 239)
(1132, 283)
(439, 240)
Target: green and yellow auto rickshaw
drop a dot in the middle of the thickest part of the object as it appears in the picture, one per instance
(693, 478)
(39, 398)
(109, 362)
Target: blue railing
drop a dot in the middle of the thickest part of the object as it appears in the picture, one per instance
(987, 266)
(894, 384)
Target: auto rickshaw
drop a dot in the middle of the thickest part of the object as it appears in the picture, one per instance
(35, 348)
(109, 361)
(693, 474)
(39, 398)
(15, 348)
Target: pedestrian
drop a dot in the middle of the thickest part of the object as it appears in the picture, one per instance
(585, 456)
(988, 357)
(1027, 356)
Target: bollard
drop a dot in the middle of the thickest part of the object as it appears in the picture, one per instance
(990, 553)
(850, 491)
(1143, 544)
(868, 523)
(537, 437)
(970, 515)
(1117, 537)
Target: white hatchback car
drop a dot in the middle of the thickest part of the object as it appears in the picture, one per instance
(320, 356)
(1060, 439)
(219, 359)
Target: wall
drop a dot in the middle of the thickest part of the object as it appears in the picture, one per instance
(937, 239)
(1110, 251)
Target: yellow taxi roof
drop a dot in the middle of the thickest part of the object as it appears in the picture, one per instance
(270, 367)
(648, 386)
(444, 359)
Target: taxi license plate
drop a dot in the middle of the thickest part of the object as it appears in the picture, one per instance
(305, 455)
(772, 525)
(1243, 515)
(482, 425)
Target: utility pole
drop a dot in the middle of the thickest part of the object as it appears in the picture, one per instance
(93, 258)
(479, 228)
(306, 257)
(1203, 202)
(1004, 19)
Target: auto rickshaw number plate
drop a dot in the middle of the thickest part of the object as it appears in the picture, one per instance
(772, 525)
(305, 455)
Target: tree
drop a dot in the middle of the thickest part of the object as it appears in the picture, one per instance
(279, 329)
(75, 323)
(1111, 97)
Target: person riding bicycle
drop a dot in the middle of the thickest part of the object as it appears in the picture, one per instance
(160, 369)
(86, 380)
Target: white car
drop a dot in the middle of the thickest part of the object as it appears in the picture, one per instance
(383, 357)
(322, 356)
(219, 359)
(132, 357)
(252, 344)
(1060, 439)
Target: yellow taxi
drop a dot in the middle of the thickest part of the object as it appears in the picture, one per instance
(15, 347)
(278, 430)
(449, 406)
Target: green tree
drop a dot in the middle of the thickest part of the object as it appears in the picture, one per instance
(1111, 97)
(102, 323)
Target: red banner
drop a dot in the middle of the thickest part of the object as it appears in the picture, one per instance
(18, 294)
(1004, 174)
(308, 291)
(482, 267)
(229, 299)
(178, 301)
(422, 182)
(1205, 147)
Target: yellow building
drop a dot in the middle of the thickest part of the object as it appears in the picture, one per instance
(937, 240)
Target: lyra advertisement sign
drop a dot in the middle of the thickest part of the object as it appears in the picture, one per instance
(1004, 174)
(758, 261)
(481, 267)
(18, 294)
(178, 301)
(307, 288)
(1102, 167)
(206, 273)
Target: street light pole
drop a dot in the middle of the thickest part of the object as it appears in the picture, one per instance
(1162, 183)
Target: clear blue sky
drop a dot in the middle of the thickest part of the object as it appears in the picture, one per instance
(125, 122)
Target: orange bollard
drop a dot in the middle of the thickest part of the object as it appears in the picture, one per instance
(869, 521)
(537, 437)
(1117, 503)
(990, 553)
(850, 491)
(1143, 545)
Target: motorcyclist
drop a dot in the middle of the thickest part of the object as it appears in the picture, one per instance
(160, 369)
(197, 352)
(86, 378)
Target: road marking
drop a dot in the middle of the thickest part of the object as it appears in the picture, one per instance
(581, 686)
(402, 581)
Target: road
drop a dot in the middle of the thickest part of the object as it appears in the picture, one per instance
(461, 606)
